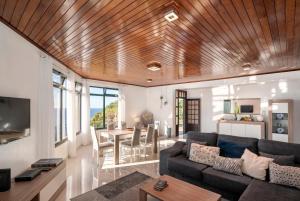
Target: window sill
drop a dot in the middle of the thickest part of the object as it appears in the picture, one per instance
(61, 142)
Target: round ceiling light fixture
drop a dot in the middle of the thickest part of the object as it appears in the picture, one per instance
(246, 66)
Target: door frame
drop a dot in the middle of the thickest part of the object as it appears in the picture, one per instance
(180, 94)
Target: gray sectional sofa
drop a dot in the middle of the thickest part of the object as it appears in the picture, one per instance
(174, 162)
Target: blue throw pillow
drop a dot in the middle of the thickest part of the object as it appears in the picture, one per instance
(231, 149)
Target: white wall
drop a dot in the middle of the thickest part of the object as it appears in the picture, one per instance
(20, 63)
(212, 94)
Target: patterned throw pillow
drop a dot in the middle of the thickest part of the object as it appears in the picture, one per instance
(189, 142)
(230, 165)
(285, 175)
(255, 166)
(203, 154)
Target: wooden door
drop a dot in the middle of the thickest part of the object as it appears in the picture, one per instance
(180, 112)
(193, 114)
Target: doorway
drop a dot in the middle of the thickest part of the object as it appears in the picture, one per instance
(180, 112)
(193, 111)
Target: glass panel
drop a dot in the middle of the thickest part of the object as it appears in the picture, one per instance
(57, 107)
(112, 92)
(111, 111)
(96, 111)
(96, 90)
(64, 115)
(56, 78)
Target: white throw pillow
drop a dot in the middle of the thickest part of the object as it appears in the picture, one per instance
(203, 154)
(255, 166)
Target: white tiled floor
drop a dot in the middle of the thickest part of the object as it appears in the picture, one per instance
(83, 174)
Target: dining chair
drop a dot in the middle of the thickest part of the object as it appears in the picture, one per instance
(134, 142)
(98, 144)
(148, 140)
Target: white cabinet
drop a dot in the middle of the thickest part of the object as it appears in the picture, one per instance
(281, 120)
(238, 129)
(242, 129)
(254, 131)
(225, 128)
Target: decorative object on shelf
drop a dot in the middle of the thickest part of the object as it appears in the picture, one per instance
(259, 118)
(280, 116)
(147, 118)
(280, 130)
(228, 117)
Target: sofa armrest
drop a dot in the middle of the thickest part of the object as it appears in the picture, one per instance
(165, 154)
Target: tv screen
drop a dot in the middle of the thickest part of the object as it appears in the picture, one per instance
(14, 118)
(246, 108)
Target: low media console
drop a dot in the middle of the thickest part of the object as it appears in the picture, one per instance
(44, 187)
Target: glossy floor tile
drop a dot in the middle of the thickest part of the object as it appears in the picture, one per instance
(83, 173)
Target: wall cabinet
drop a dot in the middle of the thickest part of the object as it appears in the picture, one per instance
(281, 120)
(242, 129)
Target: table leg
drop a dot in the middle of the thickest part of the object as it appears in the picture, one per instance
(116, 150)
(154, 147)
(143, 195)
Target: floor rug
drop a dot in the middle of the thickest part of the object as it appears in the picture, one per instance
(122, 189)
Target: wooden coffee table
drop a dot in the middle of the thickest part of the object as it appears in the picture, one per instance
(177, 190)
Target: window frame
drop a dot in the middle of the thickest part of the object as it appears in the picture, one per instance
(103, 98)
(63, 90)
(79, 94)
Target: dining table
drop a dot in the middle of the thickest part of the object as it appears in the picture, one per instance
(119, 134)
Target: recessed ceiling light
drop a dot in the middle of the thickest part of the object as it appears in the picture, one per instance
(154, 66)
(149, 80)
(171, 15)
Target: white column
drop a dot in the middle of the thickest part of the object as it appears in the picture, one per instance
(86, 135)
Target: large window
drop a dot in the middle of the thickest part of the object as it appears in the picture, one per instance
(104, 107)
(60, 106)
(78, 97)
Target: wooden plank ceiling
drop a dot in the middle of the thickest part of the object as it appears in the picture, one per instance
(114, 40)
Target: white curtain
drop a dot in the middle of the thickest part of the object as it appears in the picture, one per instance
(45, 132)
(121, 107)
(86, 135)
(71, 116)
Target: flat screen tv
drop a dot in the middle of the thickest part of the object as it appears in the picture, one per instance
(14, 119)
(246, 108)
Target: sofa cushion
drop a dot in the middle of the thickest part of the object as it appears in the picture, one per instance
(255, 166)
(204, 154)
(189, 143)
(225, 181)
(185, 167)
(285, 175)
(280, 148)
(280, 159)
(230, 165)
(249, 143)
(209, 138)
(263, 191)
(231, 149)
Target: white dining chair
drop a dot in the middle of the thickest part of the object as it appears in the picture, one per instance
(98, 145)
